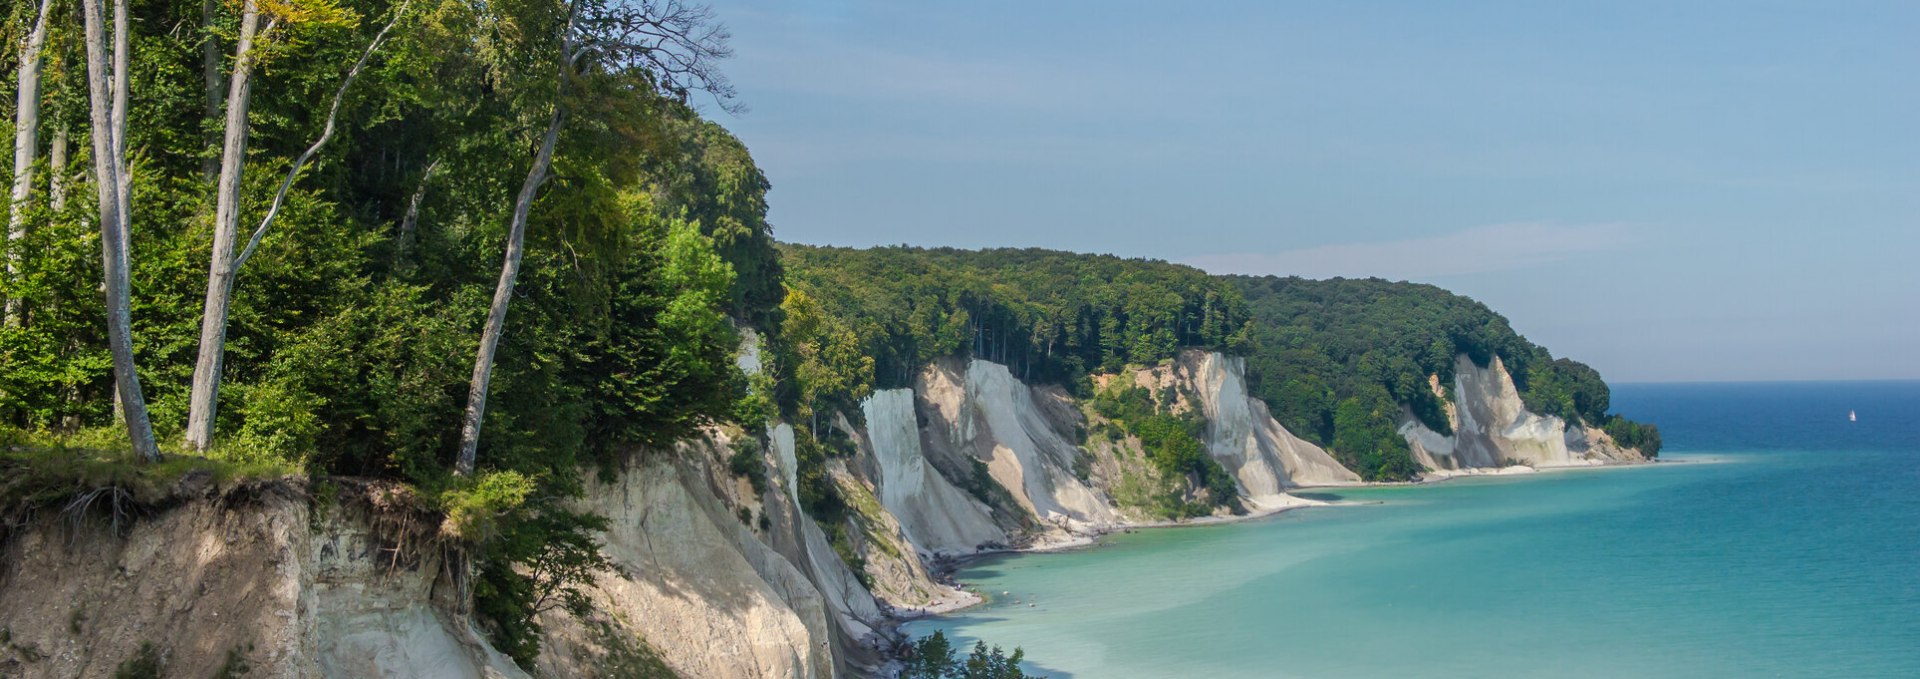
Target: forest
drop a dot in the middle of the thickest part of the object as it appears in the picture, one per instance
(1335, 360)
(335, 237)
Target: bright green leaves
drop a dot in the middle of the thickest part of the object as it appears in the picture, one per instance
(827, 366)
(473, 511)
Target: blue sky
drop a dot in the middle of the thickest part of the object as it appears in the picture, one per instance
(1665, 190)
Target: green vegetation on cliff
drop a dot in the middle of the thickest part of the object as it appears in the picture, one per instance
(1052, 317)
(349, 346)
(1335, 360)
(1172, 445)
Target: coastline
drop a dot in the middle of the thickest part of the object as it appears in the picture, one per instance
(943, 567)
(895, 646)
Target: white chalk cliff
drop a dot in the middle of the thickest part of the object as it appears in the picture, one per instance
(1492, 428)
(1242, 434)
(986, 414)
(937, 517)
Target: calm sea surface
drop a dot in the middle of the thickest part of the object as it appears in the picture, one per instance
(1783, 542)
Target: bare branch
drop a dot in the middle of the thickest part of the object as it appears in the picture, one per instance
(326, 134)
(679, 45)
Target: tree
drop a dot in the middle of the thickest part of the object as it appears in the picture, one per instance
(678, 47)
(932, 658)
(992, 664)
(828, 364)
(26, 130)
(108, 104)
(226, 216)
(224, 264)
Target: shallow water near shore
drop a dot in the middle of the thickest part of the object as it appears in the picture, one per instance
(1784, 541)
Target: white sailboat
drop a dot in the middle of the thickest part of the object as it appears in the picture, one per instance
(1852, 416)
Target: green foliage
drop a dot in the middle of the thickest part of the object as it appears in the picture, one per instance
(146, 663)
(992, 664)
(828, 369)
(1336, 360)
(1630, 434)
(1050, 316)
(1172, 444)
(1364, 438)
(351, 340)
(41, 470)
(979, 483)
(933, 657)
(473, 510)
(749, 461)
(538, 562)
(825, 503)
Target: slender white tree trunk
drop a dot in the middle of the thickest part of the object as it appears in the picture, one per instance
(26, 147)
(226, 226)
(497, 314)
(109, 161)
(213, 327)
(57, 170)
(122, 56)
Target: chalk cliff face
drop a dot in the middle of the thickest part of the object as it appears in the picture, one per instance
(985, 414)
(694, 582)
(339, 595)
(1244, 437)
(928, 442)
(936, 516)
(1492, 428)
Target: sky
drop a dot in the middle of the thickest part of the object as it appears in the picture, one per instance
(1667, 191)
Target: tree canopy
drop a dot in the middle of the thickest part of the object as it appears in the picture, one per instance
(353, 327)
(1335, 360)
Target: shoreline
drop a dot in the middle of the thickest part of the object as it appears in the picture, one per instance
(895, 645)
(943, 567)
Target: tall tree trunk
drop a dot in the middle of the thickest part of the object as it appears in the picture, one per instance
(122, 56)
(224, 265)
(26, 147)
(497, 314)
(226, 225)
(57, 170)
(109, 161)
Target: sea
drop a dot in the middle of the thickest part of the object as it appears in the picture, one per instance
(1776, 538)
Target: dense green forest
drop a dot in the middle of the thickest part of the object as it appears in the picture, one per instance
(561, 136)
(1335, 360)
(1051, 317)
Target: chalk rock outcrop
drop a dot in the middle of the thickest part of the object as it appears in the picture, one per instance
(696, 584)
(936, 516)
(1493, 428)
(1243, 436)
(986, 414)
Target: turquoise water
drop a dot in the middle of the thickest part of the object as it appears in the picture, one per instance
(1784, 543)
